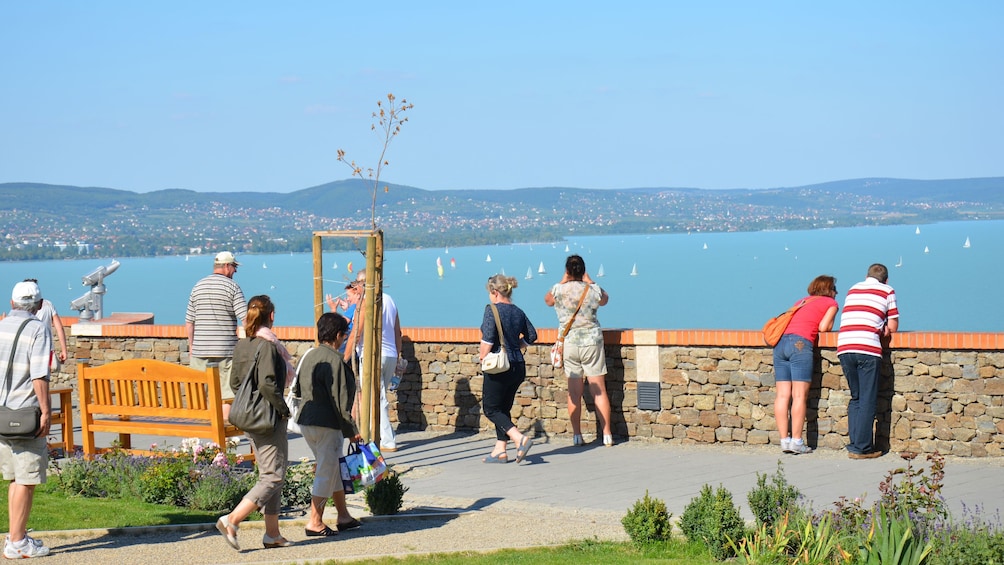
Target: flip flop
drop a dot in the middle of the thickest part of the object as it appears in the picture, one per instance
(349, 525)
(524, 448)
(326, 532)
(500, 458)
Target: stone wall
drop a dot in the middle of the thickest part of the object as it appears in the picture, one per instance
(946, 400)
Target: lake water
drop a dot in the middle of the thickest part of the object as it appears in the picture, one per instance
(713, 281)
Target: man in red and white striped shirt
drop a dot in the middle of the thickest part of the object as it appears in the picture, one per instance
(869, 315)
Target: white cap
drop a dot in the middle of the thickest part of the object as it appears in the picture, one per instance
(26, 291)
(225, 258)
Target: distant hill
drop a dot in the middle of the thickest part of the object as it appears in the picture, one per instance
(49, 221)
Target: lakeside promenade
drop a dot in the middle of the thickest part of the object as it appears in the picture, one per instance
(560, 493)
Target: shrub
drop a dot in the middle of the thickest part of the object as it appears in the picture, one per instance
(713, 518)
(770, 501)
(164, 481)
(109, 475)
(218, 489)
(296, 487)
(387, 496)
(973, 540)
(648, 521)
(917, 491)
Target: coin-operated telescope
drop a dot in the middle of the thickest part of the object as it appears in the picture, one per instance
(89, 305)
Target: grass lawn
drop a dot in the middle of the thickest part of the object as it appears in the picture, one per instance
(53, 510)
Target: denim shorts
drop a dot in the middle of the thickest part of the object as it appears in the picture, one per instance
(793, 359)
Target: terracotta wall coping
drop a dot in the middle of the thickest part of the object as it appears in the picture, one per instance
(981, 341)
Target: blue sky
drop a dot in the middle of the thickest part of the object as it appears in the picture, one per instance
(226, 96)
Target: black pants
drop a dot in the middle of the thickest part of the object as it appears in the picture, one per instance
(499, 394)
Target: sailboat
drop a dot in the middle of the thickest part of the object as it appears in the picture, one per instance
(705, 245)
(541, 270)
(927, 249)
(634, 270)
(529, 273)
(600, 272)
(900, 264)
(566, 249)
(918, 230)
(334, 265)
(488, 259)
(439, 267)
(406, 269)
(263, 265)
(966, 245)
(453, 263)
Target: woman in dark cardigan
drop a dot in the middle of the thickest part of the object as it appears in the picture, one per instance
(327, 389)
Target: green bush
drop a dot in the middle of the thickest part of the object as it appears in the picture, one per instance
(648, 521)
(296, 487)
(387, 496)
(165, 480)
(713, 518)
(217, 489)
(770, 501)
(974, 539)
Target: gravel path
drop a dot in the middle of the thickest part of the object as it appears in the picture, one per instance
(499, 525)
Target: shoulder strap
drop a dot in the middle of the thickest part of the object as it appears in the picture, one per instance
(10, 362)
(568, 324)
(498, 324)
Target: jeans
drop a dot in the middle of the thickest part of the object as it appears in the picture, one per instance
(861, 372)
(793, 359)
(387, 437)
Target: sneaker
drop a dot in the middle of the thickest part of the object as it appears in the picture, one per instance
(577, 440)
(798, 447)
(28, 547)
(786, 445)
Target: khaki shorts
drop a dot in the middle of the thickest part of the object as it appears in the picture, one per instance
(225, 363)
(585, 360)
(24, 460)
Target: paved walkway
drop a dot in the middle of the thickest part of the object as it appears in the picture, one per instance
(560, 493)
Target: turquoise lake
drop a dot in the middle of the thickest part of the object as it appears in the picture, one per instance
(707, 281)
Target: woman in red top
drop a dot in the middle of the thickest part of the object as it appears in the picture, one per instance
(793, 360)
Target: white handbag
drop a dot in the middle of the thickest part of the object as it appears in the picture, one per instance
(497, 362)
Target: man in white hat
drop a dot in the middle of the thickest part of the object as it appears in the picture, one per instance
(25, 345)
(215, 307)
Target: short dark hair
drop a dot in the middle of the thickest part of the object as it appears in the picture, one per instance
(879, 272)
(329, 325)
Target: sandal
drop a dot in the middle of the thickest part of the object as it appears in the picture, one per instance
(326, 532)
(500, 458)
(524, 448)
(350, 525)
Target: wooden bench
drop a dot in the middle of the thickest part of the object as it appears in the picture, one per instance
(63, 417)
(148, 397)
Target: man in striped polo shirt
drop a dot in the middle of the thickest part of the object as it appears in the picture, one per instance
(211, 320)
(869, 316)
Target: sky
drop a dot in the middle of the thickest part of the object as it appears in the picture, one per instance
(259, 96)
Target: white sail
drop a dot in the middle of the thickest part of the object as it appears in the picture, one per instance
(966, 245)
(927, 249)
(335, 265)
(705, 245)
(634, 270)
(918, 230)
(264, 266)
(488, 259)
(600, 273)
(540, 269)
(529, 273)
(900, 264)
(406, 269)
(566, 249)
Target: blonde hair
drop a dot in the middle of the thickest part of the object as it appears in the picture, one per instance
(502, 284)
(260, 309)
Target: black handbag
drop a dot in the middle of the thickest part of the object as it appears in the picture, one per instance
(251, 413)
(18, 423)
